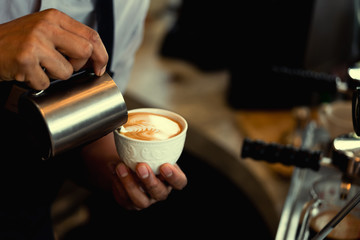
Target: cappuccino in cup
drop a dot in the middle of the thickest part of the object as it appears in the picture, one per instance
(150, 126)
(151, 135)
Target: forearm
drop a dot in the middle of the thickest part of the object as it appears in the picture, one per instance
(100, 159)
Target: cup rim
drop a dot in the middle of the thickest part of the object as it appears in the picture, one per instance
(158, 111)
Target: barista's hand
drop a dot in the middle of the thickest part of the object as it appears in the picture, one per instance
(141, 189)
(132, 190)
(48, 39)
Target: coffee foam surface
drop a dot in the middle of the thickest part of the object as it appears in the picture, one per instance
(150, 126)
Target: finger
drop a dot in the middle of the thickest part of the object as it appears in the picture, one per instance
(77, 49)
(57, 66)
(78, 64)
(35, 78)
(173, 175)
(153, 186)
(29, 70)
(121, 197)
(99, 55)
(133, 189)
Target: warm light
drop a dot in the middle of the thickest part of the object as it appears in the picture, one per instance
(345, 185)
(354, 73)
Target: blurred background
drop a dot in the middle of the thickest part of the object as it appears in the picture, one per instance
(259, 70)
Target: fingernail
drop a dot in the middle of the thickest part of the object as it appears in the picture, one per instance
(166, 171)
(142, 171)
(45, 84)
(121, 170)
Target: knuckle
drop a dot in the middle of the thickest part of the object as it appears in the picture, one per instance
(157, 190)
(43, 84)
(41, 25)
(179, 184)
(52, 13)
(161, 197)
(142, 204)
(93, 35)
(45, 24)
(39, 84)
(26, 56)
(67, 72)
(159, 194)
(95, 39)
(20, 77)
(64, 71)
(87, 50)
(152, 186)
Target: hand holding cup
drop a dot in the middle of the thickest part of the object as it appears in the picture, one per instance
(151, 135)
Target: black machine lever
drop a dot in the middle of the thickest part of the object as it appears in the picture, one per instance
(276, 153)
(292, 156)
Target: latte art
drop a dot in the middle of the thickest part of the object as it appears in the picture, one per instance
(150, 127)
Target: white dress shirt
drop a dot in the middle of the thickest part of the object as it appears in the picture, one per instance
(129, 18)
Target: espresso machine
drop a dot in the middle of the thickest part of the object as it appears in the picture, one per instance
(342, 154)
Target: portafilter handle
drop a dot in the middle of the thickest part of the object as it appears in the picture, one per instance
(277, 153)
(341, 157)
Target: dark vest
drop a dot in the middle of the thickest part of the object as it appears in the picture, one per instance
(105, 19)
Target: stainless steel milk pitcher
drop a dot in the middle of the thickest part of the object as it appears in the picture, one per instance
(72, 112)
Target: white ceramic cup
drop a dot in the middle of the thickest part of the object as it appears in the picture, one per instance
(153, 152)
